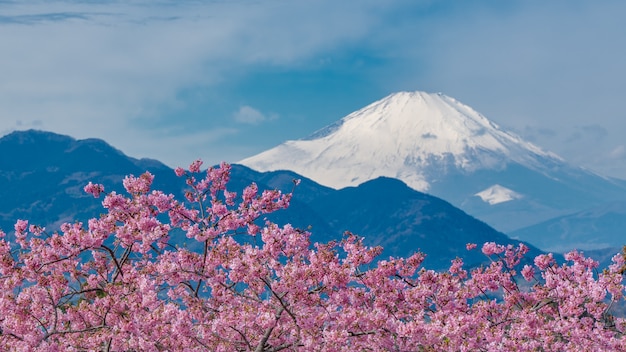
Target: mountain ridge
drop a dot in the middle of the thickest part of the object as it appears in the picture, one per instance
(384, 211)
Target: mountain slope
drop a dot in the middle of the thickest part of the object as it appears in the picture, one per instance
(387, 213)
(438, 145)
(390, 214)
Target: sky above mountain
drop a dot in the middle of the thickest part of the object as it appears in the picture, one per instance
(223, 80)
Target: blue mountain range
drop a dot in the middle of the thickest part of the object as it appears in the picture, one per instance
(42, 175)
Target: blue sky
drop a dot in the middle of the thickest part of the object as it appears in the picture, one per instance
(223, 80)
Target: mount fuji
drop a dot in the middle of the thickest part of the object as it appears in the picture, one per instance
(438, 145)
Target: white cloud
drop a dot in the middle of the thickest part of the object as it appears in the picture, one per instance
(93, 69)
(250, 115)
(247, 114)
(618, 152)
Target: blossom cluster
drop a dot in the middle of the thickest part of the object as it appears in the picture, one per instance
(154, 273)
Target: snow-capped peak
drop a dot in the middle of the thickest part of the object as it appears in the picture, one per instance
(412, 136)
(497, 194)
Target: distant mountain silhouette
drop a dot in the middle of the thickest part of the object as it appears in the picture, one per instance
(592, 229)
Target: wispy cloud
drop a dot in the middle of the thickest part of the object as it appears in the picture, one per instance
(88, 68)
(249, 115)
(111, 68)
(45, 17)
(618, 152)
(588, 133)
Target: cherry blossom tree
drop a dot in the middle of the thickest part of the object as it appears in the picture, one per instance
(207, 273)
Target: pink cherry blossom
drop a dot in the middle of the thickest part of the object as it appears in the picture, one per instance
(94, 189)
(208, 273)
(179, 171)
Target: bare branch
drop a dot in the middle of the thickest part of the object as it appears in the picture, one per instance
(261, 346)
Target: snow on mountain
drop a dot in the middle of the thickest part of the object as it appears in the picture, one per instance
(497, 194)
(438, 145)
(405, 135)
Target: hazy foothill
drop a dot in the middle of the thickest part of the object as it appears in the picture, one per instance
(414, 223)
